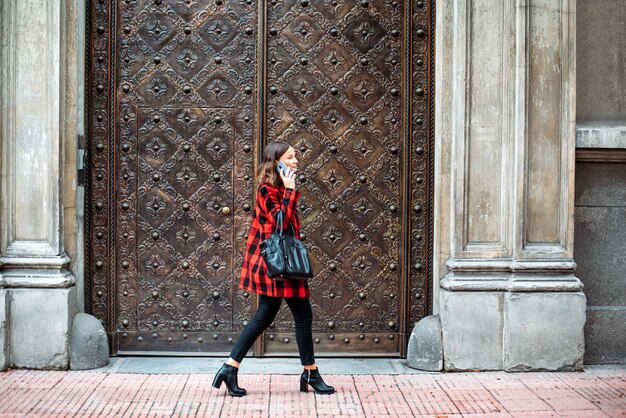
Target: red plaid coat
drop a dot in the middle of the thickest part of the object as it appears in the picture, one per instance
(270, 201)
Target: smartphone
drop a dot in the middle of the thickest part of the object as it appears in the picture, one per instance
(282, 168)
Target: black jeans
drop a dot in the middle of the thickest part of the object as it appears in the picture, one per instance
(268, 308)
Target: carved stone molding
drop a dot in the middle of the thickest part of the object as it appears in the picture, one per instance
(31, 103)
(511, 132)
(505, 161)
(35, 97)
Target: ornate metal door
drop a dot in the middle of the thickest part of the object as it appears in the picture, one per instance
(183, 95)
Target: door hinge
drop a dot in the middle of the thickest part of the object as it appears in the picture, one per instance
(81, 161)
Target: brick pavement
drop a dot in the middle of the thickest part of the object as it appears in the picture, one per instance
(596, 393)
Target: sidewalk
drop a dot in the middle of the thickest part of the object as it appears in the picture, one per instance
(387, 388)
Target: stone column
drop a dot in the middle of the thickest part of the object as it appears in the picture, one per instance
(39, 290)
(505, 156)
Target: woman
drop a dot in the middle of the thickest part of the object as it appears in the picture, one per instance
(277, 193)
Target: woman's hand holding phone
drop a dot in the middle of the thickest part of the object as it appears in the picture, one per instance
(288, 176)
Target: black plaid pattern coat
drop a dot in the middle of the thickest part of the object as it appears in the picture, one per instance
(269, 202)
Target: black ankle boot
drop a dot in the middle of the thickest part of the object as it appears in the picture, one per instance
(313, 378)
(228, 375)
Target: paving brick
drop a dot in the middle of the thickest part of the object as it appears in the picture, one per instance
(617, 382)
(493, 381)
(426, 397)
(96, 394)
(287, 400)
(457, 381)
(584, 380)
(584, 414)
(255, 404)
(197, 395)
(380, 396)
(526, 405)
(475, 401)
(605, 398)
(570, 402)
(345, 402)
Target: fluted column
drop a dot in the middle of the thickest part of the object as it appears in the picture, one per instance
(39, 290)
(509, 298)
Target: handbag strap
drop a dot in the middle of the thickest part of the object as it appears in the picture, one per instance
(279, 223)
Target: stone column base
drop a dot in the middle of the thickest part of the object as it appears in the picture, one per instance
(506, 328)
(40, 305)
(39, 327)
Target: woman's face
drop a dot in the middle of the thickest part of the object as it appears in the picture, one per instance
(290, 160)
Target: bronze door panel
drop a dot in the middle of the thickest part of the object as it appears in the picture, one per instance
(171, 171)
(180, 289)
(336, 90)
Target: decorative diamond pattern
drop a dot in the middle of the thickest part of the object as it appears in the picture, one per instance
(333, 178)
(304, 32)
(218, 90)
(187, 59)
(304, 91)
(157, 148)
(364, 91)
(333, 10)
(363, 149)
(156, 89)
(156, 31)
(333, 120)
(364, 209)
(364, 32)
(334, 61)
(363, 267)
(218, 32)
(333, 238)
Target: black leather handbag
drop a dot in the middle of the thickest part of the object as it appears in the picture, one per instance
(285, 255)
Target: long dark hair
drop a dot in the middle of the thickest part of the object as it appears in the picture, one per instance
(267, 170)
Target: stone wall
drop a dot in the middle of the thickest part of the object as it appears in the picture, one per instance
(600, 253)
(601, 67)
(601, 74)
(600, 214)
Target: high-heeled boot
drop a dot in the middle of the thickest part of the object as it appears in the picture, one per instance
(313, 378)
(228, 375)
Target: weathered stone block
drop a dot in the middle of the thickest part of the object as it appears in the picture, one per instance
(605, 335)
(425, 351)
(472, 330)
(600, 74)
(39, 327)
(89, 348)
(544, 331)
(599, 253)
(600, 184)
